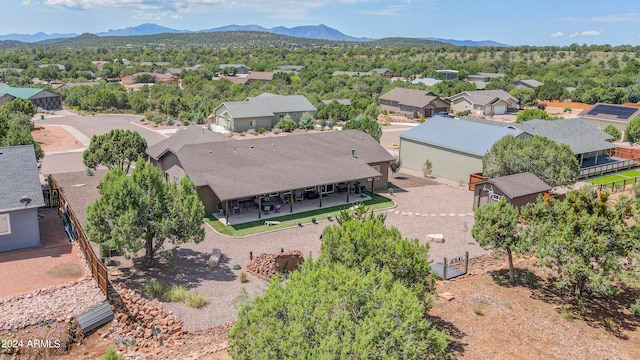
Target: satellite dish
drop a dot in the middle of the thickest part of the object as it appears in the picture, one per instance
(25, 200)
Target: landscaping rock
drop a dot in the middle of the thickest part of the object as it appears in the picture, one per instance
(436, 238)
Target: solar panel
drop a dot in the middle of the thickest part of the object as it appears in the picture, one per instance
(621, 112)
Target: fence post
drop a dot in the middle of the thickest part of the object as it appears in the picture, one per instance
(466, 261)
(444, 270)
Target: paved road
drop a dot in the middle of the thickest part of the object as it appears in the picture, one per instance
(87, 126)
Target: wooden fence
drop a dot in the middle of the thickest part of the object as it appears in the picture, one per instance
(618, 185)
(625, 153)
(474, 178)
(98, 269)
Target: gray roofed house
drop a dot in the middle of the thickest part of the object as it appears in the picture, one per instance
(263, 111)
(20, 198)
(413, 103)
(484, 102)
(448, 74)
(243, 169)
(345, 102)
(240, 68)
(527, 84)
(519, 189)
(454, 147)
(602, 115)
(426, 81)
(291, 67)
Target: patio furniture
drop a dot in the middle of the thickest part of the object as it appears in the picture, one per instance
(267, 208)
(299, 197)
(277, 208)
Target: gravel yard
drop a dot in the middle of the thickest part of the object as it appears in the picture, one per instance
(221, 286)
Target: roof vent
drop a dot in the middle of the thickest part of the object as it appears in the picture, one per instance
(252, 146)
(25, 200)
(353, 153)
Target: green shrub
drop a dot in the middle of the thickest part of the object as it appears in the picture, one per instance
(112, 355)
(613, 131)
(422, 120)
(243, 133)
(196, 301)
(286, 125)
(390, 190)
(463, 113)
(243, 277)
(307, 122)
(276, 132)
(262, 130)
(635, 308)
(156, 289)
(567, 109)
(177, 293)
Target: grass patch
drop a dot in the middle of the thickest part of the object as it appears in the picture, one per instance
(255, 227)
(630, 173)
(478, 311)
(566, 314)
(606, 179)
(112, 355)
(174, 293)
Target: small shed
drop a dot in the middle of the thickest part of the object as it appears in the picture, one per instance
(519, 189)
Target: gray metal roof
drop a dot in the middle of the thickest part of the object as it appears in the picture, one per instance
(515, 186)
(465, 136)
(191, 135)
(581, 136)
(19, 178)
(246, 168)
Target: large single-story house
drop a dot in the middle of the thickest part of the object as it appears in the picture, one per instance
(160, 78)
(413, 103)
(20, 198)
(263, 111)
(518, 190)
(43, 99)
(448, 74)
(484, 102)
(454, 147)
(239, 171)
(602, 115)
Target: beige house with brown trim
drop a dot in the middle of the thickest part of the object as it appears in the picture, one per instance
(484, 102)
(413, 103)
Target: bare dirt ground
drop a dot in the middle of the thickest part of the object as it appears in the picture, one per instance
(54, 138)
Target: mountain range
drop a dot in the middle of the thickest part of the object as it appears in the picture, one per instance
(321, 32)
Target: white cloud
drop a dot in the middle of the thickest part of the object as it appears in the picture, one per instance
(557, 34)
(630, 17)
(586, 33)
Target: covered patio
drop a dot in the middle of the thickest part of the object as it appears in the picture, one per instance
(244, 213)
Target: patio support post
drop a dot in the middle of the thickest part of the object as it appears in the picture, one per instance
(581, 158)
(372, 180)
(348, 186)
(320, 197)
(291, 201)
(226, 211)
(596, 163)
(259, 207)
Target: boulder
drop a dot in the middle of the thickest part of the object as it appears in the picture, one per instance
(436, 238)
(214, 260)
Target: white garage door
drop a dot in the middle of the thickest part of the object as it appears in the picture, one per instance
(499, 109)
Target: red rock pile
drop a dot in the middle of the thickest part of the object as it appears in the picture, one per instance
(267, 265)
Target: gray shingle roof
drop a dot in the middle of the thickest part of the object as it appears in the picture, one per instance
(465, 136)
(267, 105)
(581, 136)
(484, 97)
(190, 135)
(246, 168)
(81, 190)
(19, 178)
(515, 186)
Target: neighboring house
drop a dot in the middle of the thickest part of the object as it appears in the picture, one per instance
(351, 73)
(178, 71)
(290, 67)
(20, 198)
(9, 70)
(263, 111)
(160, 78)
(426, 81)
(5, 98)
(157, 64)
(413, 103)
(383, 72)
(41, 98)
(602, 115)
(99, 64)
(454, 147)
(57, 66)
(262, 76)
(484, 102)
(72, 85)
(527, 84)
(588, 143)
(518, 190)
(448, 74)
(240, 68)
(241, 170)
(481, 79)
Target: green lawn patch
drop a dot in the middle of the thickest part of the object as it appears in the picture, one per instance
(606, 179)
(630, 173)
(255, 227)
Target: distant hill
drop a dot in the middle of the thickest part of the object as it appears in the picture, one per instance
(468, 42)
(144, 29)
(321, 31)
(30, 38)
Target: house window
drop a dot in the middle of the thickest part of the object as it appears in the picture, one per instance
(252, 123)
(5, 224)
(496, 197)
(175, 178)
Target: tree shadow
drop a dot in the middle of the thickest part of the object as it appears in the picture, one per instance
(456, 336)
(184, 267)
(609, 313)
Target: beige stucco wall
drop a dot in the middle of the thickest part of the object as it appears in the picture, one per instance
(209, 200)
(446, 163)
(601, 124)
(460, 105)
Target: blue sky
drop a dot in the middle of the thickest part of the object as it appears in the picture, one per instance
(513, 22)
